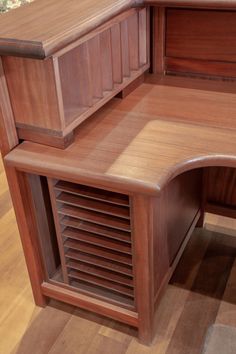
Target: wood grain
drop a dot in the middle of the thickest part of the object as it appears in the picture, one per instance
(33, 30)
(32, 90)
(153, 151)
(158, 40)
(195, 42)
(9, 138)
(197, 34)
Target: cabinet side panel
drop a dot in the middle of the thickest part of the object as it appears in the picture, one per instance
(183, 201)
(32, 90)
(8, 134)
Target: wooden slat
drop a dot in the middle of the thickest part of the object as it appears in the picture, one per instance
(103, 293)
(97, 240)
(100, 272)
(94, 205)
(93, 217)
(106, 60)
(101, 262)
(125, 48)
(133, 37)
(95, 67)
(93, 193)
(102, 230)
(101, 282)
(98, 251)
(116, 54)
(142, 37)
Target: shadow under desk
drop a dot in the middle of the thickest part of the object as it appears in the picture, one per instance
(113, 212)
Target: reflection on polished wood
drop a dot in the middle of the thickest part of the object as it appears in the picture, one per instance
(70, 330)
(158, 145)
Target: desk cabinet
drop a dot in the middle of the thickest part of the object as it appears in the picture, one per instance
(107, 191)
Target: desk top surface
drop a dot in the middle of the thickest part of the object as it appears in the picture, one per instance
(40, 28)
(140, 143)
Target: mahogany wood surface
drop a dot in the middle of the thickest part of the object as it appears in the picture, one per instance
(51, 97)
(8, 133)
(34, 31)
(202, 4)
(160, 142)
(196, 42)
(151, 146)
(40, 28)
(198, 34)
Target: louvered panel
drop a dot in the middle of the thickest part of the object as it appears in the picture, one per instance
(96, 240)
(99, 251)
(94, 233)
(93, 193)
(103, 293)
(100, 272)
(104, 263)
(94, 205)
(72, 214)
(103, 283)
(99, 230)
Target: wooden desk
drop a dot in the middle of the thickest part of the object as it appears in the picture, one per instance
(107, 191)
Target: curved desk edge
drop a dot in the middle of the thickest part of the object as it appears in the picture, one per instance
(32, 163)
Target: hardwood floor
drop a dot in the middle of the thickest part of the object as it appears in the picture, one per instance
(202, 292)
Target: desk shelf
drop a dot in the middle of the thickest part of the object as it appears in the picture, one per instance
(60, 92)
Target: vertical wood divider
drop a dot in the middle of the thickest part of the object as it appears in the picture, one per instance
(125, 48)
(58, 231)
(142, 220)
(159, 24)
(95, 67)
(106, 60)
(116, 54)
(142, 37)
(133, 43)
(59, 91)
(85, 79)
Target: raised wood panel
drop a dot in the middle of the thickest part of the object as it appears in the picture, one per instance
(201, 34)
(205, 39)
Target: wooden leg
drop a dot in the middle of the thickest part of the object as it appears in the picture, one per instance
(21, 198)
(143, 269)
